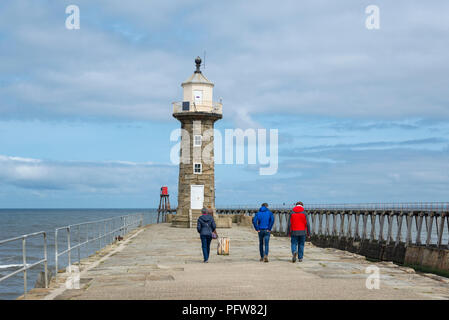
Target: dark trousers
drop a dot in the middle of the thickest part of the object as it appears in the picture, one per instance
(205, 245)
(298, 245)
(264, 240)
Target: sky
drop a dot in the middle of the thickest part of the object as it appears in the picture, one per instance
(86, 115)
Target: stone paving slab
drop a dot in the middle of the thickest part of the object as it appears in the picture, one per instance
(162, 262)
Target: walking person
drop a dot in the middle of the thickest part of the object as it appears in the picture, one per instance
(206, 227)
(298, 228)
(263, 223)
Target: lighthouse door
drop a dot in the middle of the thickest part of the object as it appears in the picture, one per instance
(196, 196)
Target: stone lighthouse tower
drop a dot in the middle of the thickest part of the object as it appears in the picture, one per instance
(197, 113)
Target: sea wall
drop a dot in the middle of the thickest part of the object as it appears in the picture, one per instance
(412, 255)
(434, 258)
(370, 249)
(241, 219)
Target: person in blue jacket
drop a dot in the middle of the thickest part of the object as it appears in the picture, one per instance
(263, 223)
(206, 227)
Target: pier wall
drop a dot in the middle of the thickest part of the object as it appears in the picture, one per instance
(371, 249)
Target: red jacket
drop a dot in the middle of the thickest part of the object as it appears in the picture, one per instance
(298, 222)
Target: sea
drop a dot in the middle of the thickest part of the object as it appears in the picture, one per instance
(17, 222)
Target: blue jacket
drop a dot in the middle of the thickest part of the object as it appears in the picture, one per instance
(263, 220)
(206, 225)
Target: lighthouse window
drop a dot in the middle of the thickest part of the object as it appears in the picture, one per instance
(198, 94)
(197, 141)
(197, 168)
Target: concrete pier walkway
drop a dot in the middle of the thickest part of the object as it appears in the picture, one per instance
(160, 262)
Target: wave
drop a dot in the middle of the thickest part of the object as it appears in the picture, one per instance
(11, 266)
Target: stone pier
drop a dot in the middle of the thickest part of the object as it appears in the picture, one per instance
(155, 262)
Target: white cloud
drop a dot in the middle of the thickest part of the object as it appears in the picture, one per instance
(18, 159)
(114, 177)
(313, 57)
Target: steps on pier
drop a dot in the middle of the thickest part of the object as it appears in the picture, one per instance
(189, 221)
(196, 213)
(180, 221)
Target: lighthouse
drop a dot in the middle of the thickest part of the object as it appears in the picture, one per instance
(197, 113)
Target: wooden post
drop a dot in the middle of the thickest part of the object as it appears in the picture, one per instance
(320, 218)
(441, 229)
(286, 217)
(390, 227)
(409, 228)
(373, 225)
(349, 230)
(312, 227)
(365, 220)
(419, 221)
(429, 228)
(277, 222)
(280, 222)
(381, 227)
(342, 223)
(399, 221)
(357, 222)
(447, 217)
(334, 223)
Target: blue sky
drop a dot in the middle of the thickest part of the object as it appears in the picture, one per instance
(85, 115)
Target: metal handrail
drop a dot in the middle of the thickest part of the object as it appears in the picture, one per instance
(106, 231)
(204, 106)
(410, 225)
(414, 206)
(25, 266)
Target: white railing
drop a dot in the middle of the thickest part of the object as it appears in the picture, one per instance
(420, 223)
(411, 227)
(25, 267)
(104, 232)
(414, 206)
(205, 106)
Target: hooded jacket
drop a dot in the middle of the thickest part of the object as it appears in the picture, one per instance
(206, 225)
(298, 222)
(263, 220)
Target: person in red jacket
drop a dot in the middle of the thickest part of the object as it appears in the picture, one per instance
(298, 228)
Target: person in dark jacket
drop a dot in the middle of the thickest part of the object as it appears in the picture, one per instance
(206, 226)
(263, 223)
(298, 227)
